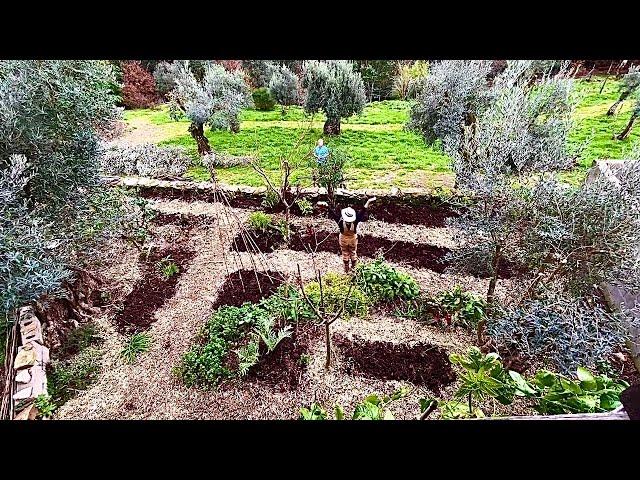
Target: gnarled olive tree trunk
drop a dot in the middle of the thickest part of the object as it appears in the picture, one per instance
(332, 126)
(197, 132)
(627, 130)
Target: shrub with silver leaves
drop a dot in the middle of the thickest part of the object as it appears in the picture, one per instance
(566, 332)
(147, 160)
(216, 100)
(334, 88)
(284, 87)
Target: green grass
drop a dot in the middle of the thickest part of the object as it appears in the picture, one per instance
(383, 153)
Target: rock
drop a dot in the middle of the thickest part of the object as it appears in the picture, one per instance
(29, 413)
(38, 380)
(620, 357)
(23, 376)
(27, 356)
(395, 190)
(31, 330)
(23, 394)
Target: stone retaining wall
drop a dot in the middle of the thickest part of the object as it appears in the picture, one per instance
(29, 365)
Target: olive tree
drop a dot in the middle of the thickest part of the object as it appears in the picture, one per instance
(629, 84)
(333, 87)
(450, 98)
(635, 113)
(284, 87)
(216, 100)
(50, 194)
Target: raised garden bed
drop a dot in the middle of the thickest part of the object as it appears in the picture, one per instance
(420, 364)
(152, 290)
(247, 286)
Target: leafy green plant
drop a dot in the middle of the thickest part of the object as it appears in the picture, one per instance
(260, 221)
(334, 290)
(287, 305)
(421, 308)
(271, 337)
(282, 227)
(556, 394)
(463, 307)
(305, 206)
(381, 282)
(135, 345)
(167, 267)
(305, 359)
(314, 412)
(45, 406)
(271, 199)
(80, 338)
(248, 356)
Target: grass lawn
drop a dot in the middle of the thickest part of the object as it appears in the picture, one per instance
(383, 153)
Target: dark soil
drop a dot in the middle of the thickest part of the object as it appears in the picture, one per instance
(266, 241)
(421, 364)
(283, 368)
(627, 371)
(242, 286)
(184, 220)
(427, 211)
(152, 290)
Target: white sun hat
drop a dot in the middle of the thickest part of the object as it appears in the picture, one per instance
(348, 214)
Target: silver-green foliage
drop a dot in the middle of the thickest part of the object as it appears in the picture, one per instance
(333, 87)
(146, 160)
(216, 100)
(49, 175)
(284, 86)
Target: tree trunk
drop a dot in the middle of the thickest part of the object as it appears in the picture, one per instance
(332, 126)
(627, 130)
(490, 293)
(197, 132)
(234, 126)
(613, 109)
(327, 332)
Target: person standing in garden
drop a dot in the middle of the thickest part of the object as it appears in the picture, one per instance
(320, 153)
(348, 220)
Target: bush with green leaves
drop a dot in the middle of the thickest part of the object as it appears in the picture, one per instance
(135, 345)
(146, 160)
(80, 338)
(50, 112)
(288, 305)
(215, 100)
(330, 172)
(45, 406)
(260, 221)
(373, 407)
(305, 206)
(262, 99)
(334, 291)
(270, 200)
(381, 282)
(335, 88)
(65, 378)
(462, 307)
(258, 71)
(377, 77)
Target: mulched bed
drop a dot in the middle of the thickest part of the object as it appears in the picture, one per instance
(184, 220)
(410, 211)
(242, 286)
(420, 364)
(152, 290)
(283, 368)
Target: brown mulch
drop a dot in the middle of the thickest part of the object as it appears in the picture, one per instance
(243, 286)
(420, 364)
(283, 368)
(185, 221)
(153, 290)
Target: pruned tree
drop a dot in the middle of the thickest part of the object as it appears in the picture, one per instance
(216, 100)
(635, 113)
(450, 98)
(284, 87)
(629, 84)
(258, 71)
(324, 318)
(522, 132)
(50, 207)
(335, 88)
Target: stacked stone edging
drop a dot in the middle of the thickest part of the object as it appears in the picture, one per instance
(29, 365)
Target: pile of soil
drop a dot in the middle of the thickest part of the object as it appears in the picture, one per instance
(420, 364)
(152, 290)
(266, 242)
(411, 212)
(283, 368)
(243, 286)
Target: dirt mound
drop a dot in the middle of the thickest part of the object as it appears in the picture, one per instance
(152, 290)
(283, 368)
(247, 286)
(420, 364)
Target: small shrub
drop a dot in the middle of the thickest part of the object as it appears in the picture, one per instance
(137, 344)
(80, 338)
(263, 99)
(167, 267)
(314, 412)
(463, 307)
(287, 305)
(139, 86)
(381, 282)
(335, 287)
(305, 206)
(260, 221)
(45, 406)
(69, 376)
(147, 160)
(270, 200)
